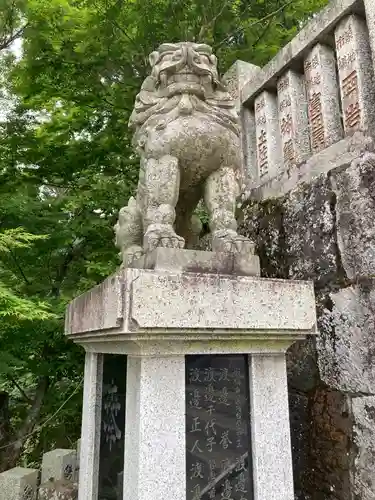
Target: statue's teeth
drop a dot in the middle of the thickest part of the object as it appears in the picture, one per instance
(163, 79)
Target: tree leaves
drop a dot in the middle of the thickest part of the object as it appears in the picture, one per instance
(67, 165)
(17, 238)
(12, 23)
(18, 308)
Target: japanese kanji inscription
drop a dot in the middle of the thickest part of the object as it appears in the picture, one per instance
(217, 423)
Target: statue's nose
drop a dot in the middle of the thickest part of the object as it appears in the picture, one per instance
(191, 55)
(185, 54)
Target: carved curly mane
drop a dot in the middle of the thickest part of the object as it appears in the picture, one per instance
(165, 96)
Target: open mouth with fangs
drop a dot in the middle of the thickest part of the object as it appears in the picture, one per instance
(183, 76)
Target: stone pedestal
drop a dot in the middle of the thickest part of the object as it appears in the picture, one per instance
(157, 317)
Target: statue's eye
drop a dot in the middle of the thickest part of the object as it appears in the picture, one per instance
(177, 55)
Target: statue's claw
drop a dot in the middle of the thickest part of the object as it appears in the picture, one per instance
(162, 235)
(131, 254)
(229, 241)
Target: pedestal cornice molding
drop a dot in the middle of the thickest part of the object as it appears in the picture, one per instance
(155, 312)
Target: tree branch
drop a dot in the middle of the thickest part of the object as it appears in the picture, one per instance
(4, 416)
(8, 41)
(213, 21)
(15, 260)
(33, 415)
(24, 395)
(263, 32)
(11, 453)
(71, 254)
(116, 24)
(258, 21)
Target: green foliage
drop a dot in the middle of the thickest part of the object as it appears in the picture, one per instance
(17, 237)
(18, 308)
(11, 23)
(67, 166)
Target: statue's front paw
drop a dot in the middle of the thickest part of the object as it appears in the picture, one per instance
(162, 235)
(131, 254)
(229, 241)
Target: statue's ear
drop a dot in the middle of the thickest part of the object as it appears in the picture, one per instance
(213, 60)
(203, 48)
(131, 202)
(153, 58)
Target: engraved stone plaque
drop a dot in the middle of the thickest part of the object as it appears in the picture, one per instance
(268, 142)
(323, 98)
(112, 426)
(293, 118)
(355, 74)
(217, 428)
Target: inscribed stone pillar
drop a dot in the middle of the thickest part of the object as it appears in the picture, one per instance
(235, 78)
(217, 427)
(270, 431)
(249, 143)
(111, 462)
(155, 428)
(323, 98)
(91, 423)
(293, 119)
(356, 74)
(267, 135)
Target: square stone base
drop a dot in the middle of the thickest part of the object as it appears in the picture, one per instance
(195, 261)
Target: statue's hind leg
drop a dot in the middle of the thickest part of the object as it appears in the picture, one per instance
(129, 234)
(162, 184)
(221, 192)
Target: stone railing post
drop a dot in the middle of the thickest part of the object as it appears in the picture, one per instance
(235, 78)
(293, 119)
(323, 98)
(269, 155)
(249, 143)
(356, 74)
(58, 465)
(19, 484)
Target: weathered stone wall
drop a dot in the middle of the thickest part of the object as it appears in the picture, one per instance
(324, 230)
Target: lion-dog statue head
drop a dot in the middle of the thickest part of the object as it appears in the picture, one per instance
(184, 78)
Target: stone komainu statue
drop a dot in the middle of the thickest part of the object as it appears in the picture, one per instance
(187, 135)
